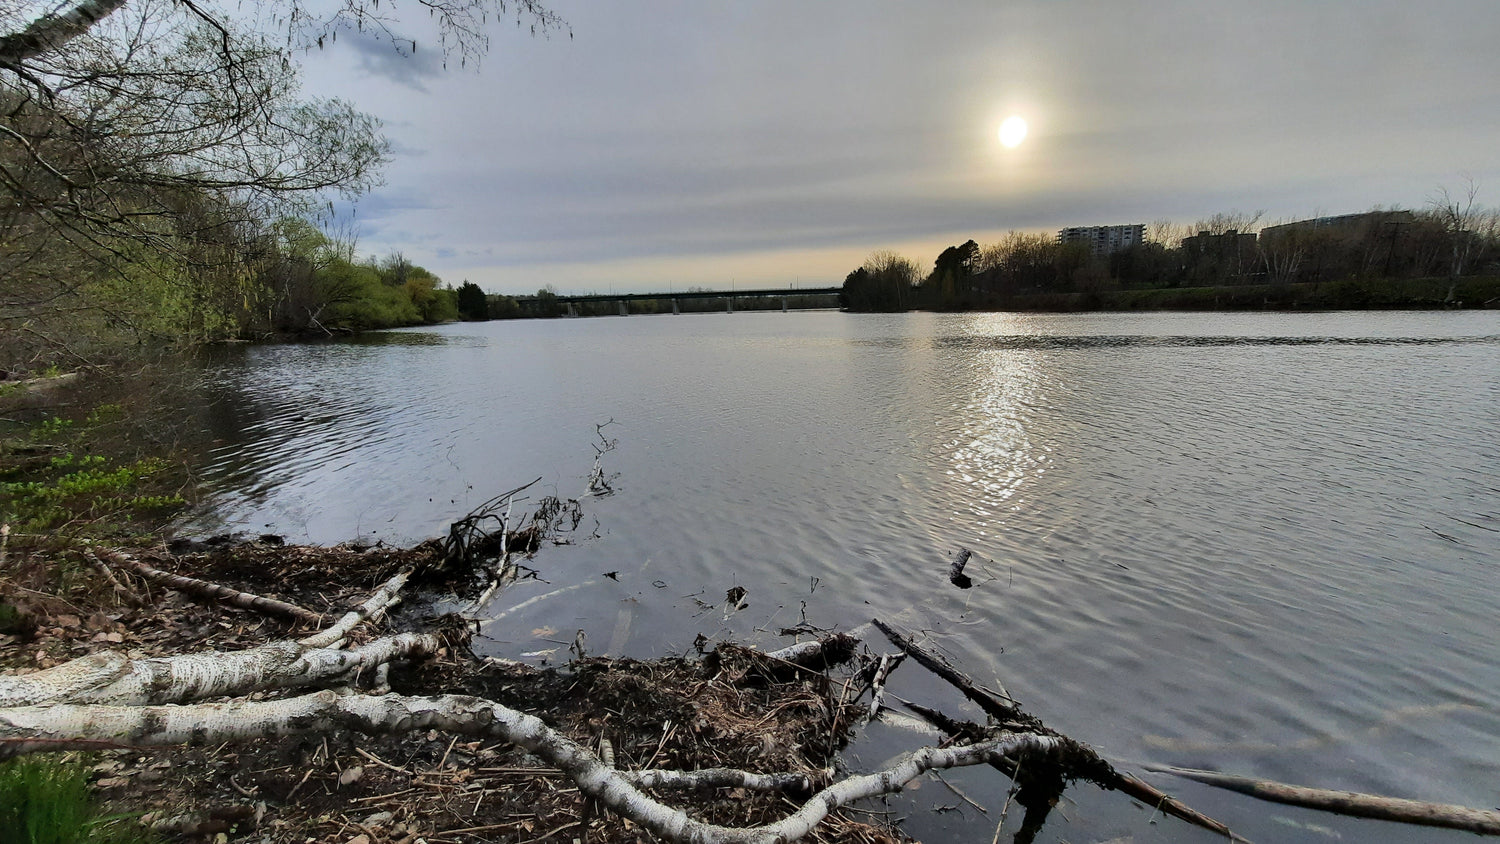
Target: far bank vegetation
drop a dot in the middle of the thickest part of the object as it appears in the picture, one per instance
(1445, 255)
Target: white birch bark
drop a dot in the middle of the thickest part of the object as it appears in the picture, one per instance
(44, 728)
(110, 678)
(387, 596)
(49, 33)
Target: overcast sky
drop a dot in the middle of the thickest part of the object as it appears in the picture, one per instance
(669, 144)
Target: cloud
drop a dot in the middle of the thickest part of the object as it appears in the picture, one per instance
(400, 61)
(688, 132)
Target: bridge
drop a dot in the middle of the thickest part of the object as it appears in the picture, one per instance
(572, 303)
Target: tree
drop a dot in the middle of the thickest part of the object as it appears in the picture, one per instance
(164, 132)
(884, 283)
(952, 274)
(1461, 218)
(148, 153)
(472, 304)
(461, 23)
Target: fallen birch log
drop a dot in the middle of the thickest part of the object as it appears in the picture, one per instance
(213, 591)
(109, 677)
(1351, 803)
(50, 728)
(387, 596)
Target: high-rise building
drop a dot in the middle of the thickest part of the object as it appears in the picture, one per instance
(1102, 240)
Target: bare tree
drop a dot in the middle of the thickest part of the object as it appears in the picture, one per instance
(1242, 222)
(143, 153)
(1166, 232)
(1461, 218)
(145, 144)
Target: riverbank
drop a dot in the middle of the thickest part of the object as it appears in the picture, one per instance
(1354, 294)
(1068, 585)
(732, 709)
(1348, 295)
(423, 740)
(87, 622)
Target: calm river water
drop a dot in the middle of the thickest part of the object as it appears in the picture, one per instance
(1267, 544)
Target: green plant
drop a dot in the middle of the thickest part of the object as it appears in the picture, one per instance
(46, 801)
(79, 488)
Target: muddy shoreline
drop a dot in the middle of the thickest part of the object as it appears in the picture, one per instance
(725, 710)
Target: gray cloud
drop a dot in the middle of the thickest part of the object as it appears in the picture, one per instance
(393, 59)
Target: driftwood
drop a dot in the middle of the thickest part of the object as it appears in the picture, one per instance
(387, 596)
(956, 574)
(882, 671)
(213, 591)
(1350, 803)
(36, 729)
(108, 677)
(991, 705)
(1084, 762)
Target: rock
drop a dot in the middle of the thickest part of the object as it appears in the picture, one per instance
(351, 775)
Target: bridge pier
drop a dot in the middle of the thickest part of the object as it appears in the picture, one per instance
(783, 304)
(623, 310)
(730, 302)
(571, 312)
(675, 309)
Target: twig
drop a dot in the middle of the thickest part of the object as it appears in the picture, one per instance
(964, 797)
(120, 589)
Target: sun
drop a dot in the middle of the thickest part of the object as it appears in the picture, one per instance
(1013, 131)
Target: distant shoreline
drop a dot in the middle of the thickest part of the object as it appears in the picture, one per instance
(1469, 293)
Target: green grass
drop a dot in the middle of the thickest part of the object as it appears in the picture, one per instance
(46, 801)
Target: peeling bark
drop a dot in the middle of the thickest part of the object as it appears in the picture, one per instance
(727, 778)
(37, 729)
(111, 678)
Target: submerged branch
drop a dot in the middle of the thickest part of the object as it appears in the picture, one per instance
(1351, 803)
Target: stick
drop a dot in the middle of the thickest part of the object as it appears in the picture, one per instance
(125, 594)
(877, 683)
(956, 574)
(1099, 772)
(1350, 803)
(215, 591)
(384, 598)
(988, 703)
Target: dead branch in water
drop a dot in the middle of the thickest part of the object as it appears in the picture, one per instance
(1351, 803)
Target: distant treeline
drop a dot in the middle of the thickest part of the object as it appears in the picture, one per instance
(474, 304)
(1447, 255)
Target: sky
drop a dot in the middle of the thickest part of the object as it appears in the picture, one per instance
(662, 145)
